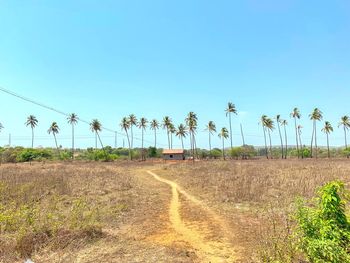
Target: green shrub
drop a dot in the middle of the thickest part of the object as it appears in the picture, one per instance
(27, 155)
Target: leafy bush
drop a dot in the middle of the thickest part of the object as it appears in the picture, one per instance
(27, 155)
(246, 151)
(323, 229)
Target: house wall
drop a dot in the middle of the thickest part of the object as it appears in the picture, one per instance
(175, 157)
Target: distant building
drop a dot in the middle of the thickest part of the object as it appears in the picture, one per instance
(173, 154)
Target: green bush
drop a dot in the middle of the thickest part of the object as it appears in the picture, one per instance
(323, 229)
(27, 155)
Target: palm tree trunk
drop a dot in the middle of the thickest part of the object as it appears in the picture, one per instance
(182, 142)
(209, 144)
(230, 128)
(268, 130)
(54, 136)
(312, 137)
(95, 141)
(195, 146)
(346, 144)
(329, 155)
(99, 138)
(72, 141)
(296, 135)
(155, 139)
(32, 138)
(127, 136)
(267, 156)
(301, 147)
(315, 141)
(132, 137)
(285, 138)
(142, 145)
(167, 131)
(279, 131)
(223, 147)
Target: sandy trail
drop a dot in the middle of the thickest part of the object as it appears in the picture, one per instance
(197, 235)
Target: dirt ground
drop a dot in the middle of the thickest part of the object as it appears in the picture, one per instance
(176, 212)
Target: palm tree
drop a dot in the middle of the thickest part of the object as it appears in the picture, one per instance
(1, 126)
(125, 125)
(315, 115)
(155, 126)
(181, 133)
(279, 122)
(345, 122)
(172, 131)
(142, 125)
(296, 115)
(284, 123)
(270, 127)
(133, 122)
(211, 128)
(231, 108)
(72, 120)
(32, 121)
(300, 143)
(223, 134)
(327, 129)
(96, 127)
(191, 122)
(166, 125)
(54, 129)
(264, 122)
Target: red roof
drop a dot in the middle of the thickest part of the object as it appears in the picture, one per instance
(173, 151)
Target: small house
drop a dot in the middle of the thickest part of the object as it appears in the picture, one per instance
(173, 154)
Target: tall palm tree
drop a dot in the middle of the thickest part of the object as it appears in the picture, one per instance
(264, 123)
(300, 143)
(345, 122)
(54, 129)
(315, 115)
(96, 127)
(155, 126)
(181, 133)
(211, 128)
(72, 120)
(192, 122)
(296, 115)
(142, 125)
(270, 127)
(223, 134)
(133, 122)
(279, 122)
(231, 108)
(32, 121)
(327, 129)
(172, 131)
(284, 123)
(166, 125)
(125, 125)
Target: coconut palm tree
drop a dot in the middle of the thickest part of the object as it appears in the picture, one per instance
(142, 125)
(96, 127)
(172, 131)
(155, 126)
(300, 143)
(223, 134)
(315, 115)
(270, 127)
(32, 121)
(54, 129)
(264, 123)
(231, 108)
(181, 133)
(284, 123)
(166, 125)
(72, 120)
(327, 129)
(133, 122)
(192, 122)
(296, 115)
(345, 122)
(279, 122)
(125, 125)
(211, 128)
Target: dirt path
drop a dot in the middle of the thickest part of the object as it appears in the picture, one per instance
(205, 236)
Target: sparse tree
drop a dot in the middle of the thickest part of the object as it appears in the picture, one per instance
(296, 115)
(223, 134)
(211, 128)
(54, 129)
(155, 126)
(181, 133)
(132, 122)
(279, 123)
(284, 123)
(125, 125)
(327, 129)
(231, 109)
(142, 125)
(345, 122)
(32, 121)
(316, 115)
(72, 120)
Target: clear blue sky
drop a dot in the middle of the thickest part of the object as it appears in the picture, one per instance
(107, 59)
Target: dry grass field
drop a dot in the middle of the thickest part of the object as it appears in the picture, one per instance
(209, 211)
